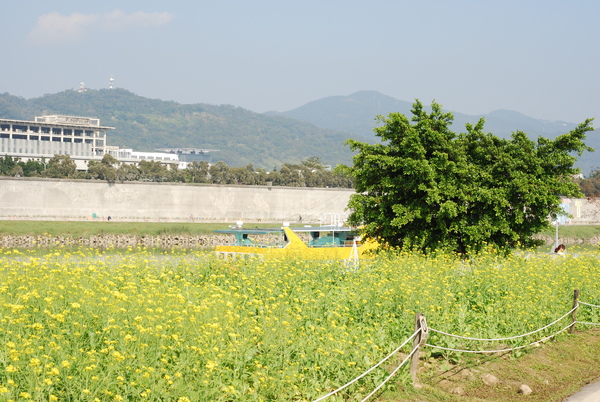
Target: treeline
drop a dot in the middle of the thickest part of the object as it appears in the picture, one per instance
(590, 186)
(309, 173)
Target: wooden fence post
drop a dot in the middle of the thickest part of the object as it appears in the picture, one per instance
(574, 313)
(418, 342)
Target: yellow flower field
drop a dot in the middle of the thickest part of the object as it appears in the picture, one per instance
(135, 325)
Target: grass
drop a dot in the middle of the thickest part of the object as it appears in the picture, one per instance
(553, 371)
(87, 229)
(583, 232)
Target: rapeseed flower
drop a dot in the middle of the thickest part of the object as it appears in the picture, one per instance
(164, 325)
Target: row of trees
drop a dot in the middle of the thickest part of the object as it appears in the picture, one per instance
(309, 173)
(590, 186)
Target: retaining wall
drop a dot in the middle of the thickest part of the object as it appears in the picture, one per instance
(53, 199)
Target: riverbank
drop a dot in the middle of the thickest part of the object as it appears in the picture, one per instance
(168, 241)
(104, 241)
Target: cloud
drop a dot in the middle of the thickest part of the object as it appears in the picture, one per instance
(55, 28)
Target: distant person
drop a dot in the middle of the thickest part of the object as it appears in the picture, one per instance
(300, 219)
(560, 249)
(109, 218)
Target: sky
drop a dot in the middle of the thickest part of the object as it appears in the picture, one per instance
(537, 57)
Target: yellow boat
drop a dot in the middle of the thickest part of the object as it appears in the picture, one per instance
(309, 242)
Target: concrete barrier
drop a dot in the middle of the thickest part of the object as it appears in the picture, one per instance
(54, 199)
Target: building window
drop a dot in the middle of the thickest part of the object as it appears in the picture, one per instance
(45, 138)
(19, 137)
(34, 137)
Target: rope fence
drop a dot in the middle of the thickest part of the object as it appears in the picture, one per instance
(420, 335)
(373, 368)
(500, 350)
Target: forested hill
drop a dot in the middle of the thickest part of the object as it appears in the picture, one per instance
(317, 129)
(243, 137)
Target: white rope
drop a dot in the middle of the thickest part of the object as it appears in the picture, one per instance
(504, 339)
(460, 350)
(588, 304)
(392, 374)
(371, 369)
(588, 323)
(502, 350)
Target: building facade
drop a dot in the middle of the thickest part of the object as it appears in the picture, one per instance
(82, 138)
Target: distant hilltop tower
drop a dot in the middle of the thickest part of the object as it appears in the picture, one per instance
(111, 82)
(82, 87)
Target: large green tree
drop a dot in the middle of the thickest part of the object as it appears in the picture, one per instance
(429, 188)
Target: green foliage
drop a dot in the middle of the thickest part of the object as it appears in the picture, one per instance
(32, 168)
(60, 166)
(197, 172)
(103, 170)
(309, 173)
(7, 164)
(428, 188)
(590, 186)
(173, 326)
(153, 171)
(10, 167)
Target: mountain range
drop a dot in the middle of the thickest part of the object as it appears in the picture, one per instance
(267, 140)
(356, 114)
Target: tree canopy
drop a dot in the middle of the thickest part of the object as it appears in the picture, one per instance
(590, 186)
(309, 173)
(429, 188)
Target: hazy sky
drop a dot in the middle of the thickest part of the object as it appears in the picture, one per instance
(541, 58)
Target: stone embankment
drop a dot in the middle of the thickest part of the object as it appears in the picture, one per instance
(115, 241)
(594, 240)
(104, 241)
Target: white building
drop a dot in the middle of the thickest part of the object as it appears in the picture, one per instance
(82, 138)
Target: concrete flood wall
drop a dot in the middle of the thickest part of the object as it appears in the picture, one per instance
(53, 199)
